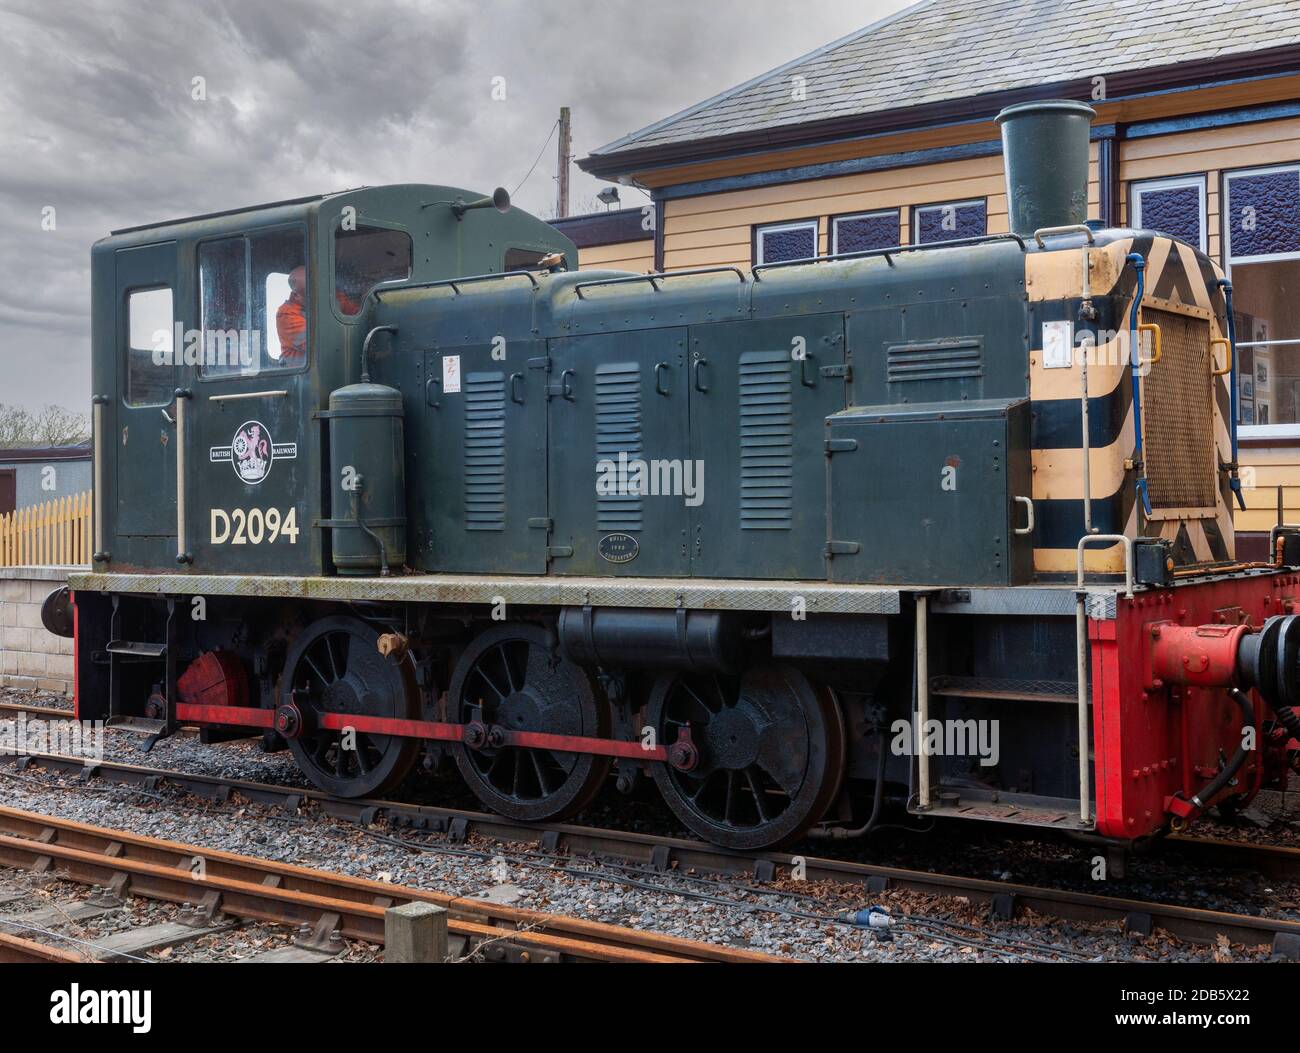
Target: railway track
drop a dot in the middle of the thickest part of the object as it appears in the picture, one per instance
(319, 904)
(1004, 900)
(8, 709)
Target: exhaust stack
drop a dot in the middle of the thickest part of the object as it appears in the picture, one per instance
(1045, 152)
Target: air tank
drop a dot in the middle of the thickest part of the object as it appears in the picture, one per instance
(1045, 151)
(367, 479)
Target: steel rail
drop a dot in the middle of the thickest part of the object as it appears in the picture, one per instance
(41, 712)
(1195, 924)
(282, 893)
(15, 950)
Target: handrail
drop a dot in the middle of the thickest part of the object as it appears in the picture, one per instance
(1110, 539)
(237, 396)
(656, 277)
(183, 554)
(888, 253)
(1069, 228)
(100, 555)
(455, 283)
(1081, 650)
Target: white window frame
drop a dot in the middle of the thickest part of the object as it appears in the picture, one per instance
(1255, 431)
(1137, 189)
(776, 228)
(837, 220)
(918, 209)
(1228, 177)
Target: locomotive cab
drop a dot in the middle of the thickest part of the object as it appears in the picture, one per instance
(217, 341)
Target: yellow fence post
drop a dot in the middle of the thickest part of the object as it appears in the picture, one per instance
(56, 532)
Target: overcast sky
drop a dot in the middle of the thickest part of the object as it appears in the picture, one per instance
(98, 119)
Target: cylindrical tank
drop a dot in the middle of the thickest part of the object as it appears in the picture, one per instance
(368, 479)
(1045, 151)
(673, 639)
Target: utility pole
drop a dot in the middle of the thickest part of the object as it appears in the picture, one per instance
(566, 158)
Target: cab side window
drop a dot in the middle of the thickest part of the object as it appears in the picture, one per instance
(366, 257)
(253, 303)
(149, 347)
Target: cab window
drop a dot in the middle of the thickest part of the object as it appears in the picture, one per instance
(149, 350)
(365, 257)
(253, 306)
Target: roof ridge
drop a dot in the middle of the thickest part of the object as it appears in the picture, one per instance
(880, 23)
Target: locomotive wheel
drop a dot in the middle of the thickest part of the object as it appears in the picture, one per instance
(334, 667)
(512, 676)
(771, 753)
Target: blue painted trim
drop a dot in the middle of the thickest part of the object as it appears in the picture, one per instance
(1221, 119)
(850, 166)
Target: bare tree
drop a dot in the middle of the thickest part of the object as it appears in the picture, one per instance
(50, 426)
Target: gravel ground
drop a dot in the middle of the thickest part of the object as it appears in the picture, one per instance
(792, 919)
(232, 944)
(795, 919)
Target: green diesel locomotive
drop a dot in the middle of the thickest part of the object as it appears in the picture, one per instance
(381, 477)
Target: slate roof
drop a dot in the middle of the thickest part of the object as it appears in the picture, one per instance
(938, 51)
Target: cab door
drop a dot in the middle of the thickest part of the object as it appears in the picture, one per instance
(144, 441)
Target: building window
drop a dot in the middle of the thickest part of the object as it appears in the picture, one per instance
(150, 347)
(949, 222)
(253, 302)
(1261, 228)
(864, 231)
(1172, 206)
(366, 257)
(778, 242)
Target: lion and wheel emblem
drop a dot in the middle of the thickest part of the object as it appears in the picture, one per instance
(252, 452)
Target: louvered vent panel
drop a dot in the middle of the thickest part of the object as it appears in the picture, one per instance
(618, 430)
(935, 360)
(484, 451)
(766, 441)
(1177, 414)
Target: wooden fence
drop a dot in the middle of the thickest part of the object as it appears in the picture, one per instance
(54, 533)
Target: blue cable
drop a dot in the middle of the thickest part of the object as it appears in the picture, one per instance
(1139, 264)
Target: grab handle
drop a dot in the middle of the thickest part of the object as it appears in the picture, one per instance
(1227, 347)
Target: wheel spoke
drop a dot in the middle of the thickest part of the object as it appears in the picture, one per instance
(306, 657)
(757, 791)
(483, 675)
(327, 641)
(363, 743)
(504, 651)
(686, 687)
(541, 775)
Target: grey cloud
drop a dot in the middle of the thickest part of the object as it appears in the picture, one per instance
(97, 120)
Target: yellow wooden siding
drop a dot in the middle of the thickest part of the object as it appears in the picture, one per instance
(1209, 151)
(1264, 469)
(715, 229)
(622, 255)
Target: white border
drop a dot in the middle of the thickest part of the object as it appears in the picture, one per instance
(918, 209)
(776, 228)
(837, 220)
(1228, 177)
(1255, 431)
(1137, 189)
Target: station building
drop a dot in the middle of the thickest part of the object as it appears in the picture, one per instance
(886, 137)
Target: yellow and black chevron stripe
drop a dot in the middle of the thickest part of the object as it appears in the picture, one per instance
(1180, 284)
